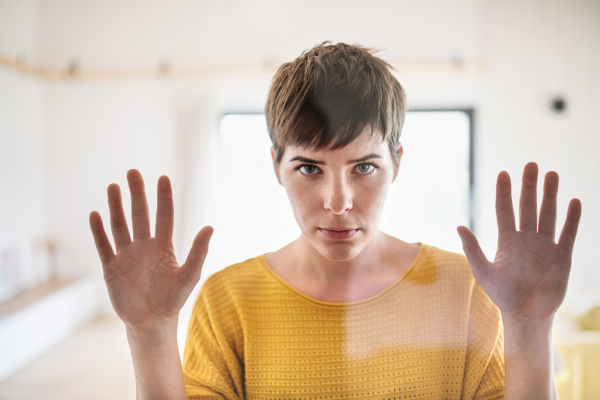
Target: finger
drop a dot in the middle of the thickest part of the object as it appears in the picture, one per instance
(547, 225)
(164, 209)
(569, 231)
(477, 260)
(139, 205)
(105, 250)
(193, 264)
(118, 223)
(505, 214)
(528, 200)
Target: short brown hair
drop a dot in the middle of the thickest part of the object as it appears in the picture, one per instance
(328, 95)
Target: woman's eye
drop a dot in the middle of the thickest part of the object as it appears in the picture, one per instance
(308, 169)
(365, 168)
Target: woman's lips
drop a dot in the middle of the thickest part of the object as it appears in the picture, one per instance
(338, 233)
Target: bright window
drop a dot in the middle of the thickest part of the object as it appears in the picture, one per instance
(431, 195)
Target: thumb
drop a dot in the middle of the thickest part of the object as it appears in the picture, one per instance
(192, 267)
(477, 260)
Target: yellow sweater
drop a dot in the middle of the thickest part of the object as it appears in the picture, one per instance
(434, 334)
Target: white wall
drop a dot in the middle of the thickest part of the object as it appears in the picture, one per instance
(536, 50)
(137, 34)
(95, 134)
(19, 29)
(23, 213)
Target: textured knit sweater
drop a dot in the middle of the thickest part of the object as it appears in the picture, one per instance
(433, 334)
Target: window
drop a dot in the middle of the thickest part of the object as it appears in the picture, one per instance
(432, 194)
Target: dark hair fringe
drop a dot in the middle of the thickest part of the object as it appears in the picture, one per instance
(326, 97)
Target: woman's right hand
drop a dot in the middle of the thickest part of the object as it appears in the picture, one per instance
(147, 287)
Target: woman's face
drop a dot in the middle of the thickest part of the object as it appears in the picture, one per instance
(337, 195)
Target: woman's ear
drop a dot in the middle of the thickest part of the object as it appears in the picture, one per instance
(396, 160)
(275, 164)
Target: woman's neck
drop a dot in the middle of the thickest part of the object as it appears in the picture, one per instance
(381, 263)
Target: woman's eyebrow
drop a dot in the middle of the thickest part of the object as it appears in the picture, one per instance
(365, 158)
(358, 160)
(307, 160)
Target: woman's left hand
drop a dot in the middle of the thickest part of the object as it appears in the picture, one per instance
(528, 278)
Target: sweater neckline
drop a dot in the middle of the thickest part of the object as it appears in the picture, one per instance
(265, 265)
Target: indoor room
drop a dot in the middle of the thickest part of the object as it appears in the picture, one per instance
(90, 90)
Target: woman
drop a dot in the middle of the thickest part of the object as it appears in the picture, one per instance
(344, 311)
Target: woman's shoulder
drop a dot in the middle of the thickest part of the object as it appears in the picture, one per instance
(241, 275)
(446, 257)
(437, 265)
(422, 255)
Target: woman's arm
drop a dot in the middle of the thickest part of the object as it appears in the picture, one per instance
(147, 287)
(156, 362)
(527, 279)
(529, 373)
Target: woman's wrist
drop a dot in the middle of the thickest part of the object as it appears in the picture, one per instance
(156, 361)
(152, 330)
(528, 358)
(523, 331)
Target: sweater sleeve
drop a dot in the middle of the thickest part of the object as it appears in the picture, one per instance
(484, 369)
(213, 357)
(492, 383)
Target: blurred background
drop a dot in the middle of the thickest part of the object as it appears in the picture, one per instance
(90, 89)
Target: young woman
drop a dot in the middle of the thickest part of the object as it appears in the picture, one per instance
(344, 311)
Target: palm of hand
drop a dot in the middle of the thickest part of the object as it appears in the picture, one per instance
(146, 285)
(528, 277)
(148, 272)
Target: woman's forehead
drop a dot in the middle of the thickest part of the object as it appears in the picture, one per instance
(362, 145)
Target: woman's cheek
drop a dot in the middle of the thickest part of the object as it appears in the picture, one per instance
(377, 188)
(377, 193)
(300, 202)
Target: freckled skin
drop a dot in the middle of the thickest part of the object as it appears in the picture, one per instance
(338, 194)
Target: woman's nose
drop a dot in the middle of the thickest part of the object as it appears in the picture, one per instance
(338, 196)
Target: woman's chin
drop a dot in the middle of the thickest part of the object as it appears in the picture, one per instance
(339, 251)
